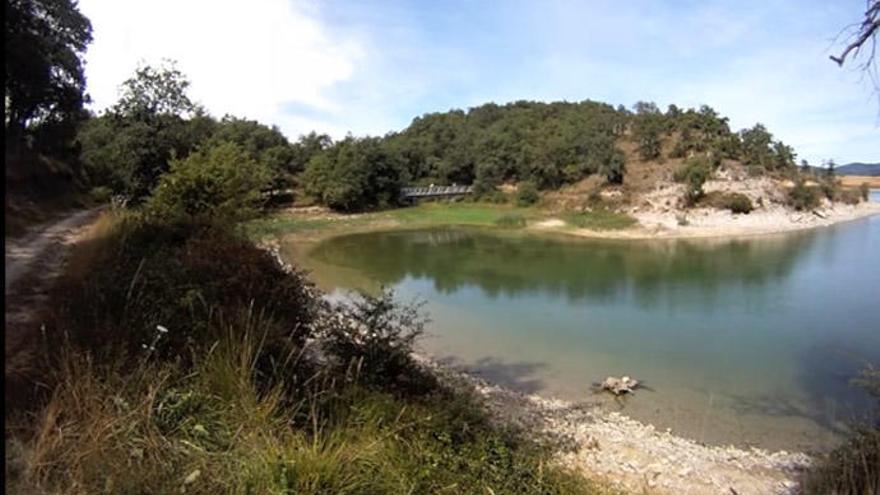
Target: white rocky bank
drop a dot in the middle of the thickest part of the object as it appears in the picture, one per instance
(632, 455)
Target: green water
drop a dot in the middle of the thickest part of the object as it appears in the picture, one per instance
(749, 341)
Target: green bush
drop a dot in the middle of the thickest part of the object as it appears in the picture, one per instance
(735, 202)
(849, 196)
(830, 188)
(865, 191)
(120, 287)
(220, 182)
(511, 221)
(100, 194)
(694, 173)
(801, 197)
(373, 338)
(527, 193)
(497, 197)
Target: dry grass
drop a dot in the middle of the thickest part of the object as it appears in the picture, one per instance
(857, 181)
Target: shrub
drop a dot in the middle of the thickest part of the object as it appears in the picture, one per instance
(100, 194)
(219, 182)
(141, 274)
(511, 221)
(801, 197)
(527, 193)
(372, 338)
(854, 466)
(735, 202)
(694, 173)
(739, 203)
(865, 191)
(830, 188)
(849, 196)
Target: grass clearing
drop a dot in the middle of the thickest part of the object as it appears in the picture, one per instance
(600, 219)
(425, 214)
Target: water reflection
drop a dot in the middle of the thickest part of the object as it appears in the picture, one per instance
(670, 272)
(745, 341)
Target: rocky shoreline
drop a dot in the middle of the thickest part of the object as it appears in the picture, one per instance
(627, 453)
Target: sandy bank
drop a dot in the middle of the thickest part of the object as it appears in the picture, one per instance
(634, 456)
(708, 222)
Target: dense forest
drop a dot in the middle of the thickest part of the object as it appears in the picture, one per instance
(548, 144)
(130, 146)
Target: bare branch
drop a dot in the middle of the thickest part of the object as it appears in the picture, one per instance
(866, 31)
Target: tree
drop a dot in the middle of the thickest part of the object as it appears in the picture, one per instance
(647, 130)
(45, 42)
(694, 174)
(220, 182)
(155, 91)
(860, 34)
(614, 167)
(354, 174)
(830, 170)
(306, 147)
(139, 135)
(756, 146)
(264, 144)
(805, 167)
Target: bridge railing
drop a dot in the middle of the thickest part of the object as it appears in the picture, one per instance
(425, 191)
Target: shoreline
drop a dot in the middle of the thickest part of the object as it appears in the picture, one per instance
(611, 447)
(714, 224)
(703, 223)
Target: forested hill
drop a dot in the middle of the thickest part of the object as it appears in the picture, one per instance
(548, 144)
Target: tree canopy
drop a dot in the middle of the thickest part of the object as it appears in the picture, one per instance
(546, 144)
(45, 41)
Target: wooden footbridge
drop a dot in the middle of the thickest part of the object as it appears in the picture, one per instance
(433, 192)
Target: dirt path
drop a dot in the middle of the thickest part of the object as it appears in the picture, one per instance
(40, 248)
(33, 261)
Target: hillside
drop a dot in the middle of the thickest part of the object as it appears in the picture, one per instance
(857, 168)
(659, 166)
(549, 145)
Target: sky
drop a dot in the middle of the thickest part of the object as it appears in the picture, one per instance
(369, 67)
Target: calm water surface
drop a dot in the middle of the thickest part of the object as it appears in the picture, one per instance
(749, 341)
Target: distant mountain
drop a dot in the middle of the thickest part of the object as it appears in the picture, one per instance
(856, 168)
(871, 169)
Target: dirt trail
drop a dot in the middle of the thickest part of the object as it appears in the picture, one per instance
(40, 248)
(33, 261)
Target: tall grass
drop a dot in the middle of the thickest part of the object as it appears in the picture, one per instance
(164, 427)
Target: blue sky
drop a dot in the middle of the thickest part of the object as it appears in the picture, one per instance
(369, 67)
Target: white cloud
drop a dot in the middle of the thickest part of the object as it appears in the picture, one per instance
(249, 59)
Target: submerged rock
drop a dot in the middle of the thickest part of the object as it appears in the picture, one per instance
(618, 386)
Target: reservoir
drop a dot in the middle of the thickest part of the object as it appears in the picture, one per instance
(748, 341)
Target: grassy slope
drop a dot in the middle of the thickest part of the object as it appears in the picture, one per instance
(211, 417)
